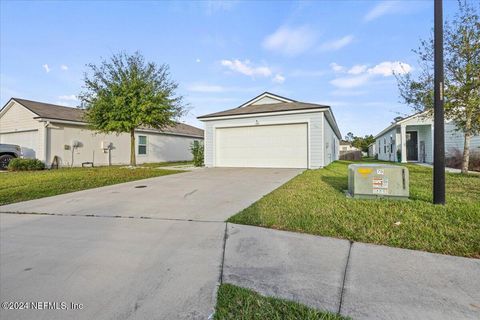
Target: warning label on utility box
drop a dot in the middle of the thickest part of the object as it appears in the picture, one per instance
(380, 185)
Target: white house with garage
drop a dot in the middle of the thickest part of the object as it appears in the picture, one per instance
(410, 139)
(271, 131)
(45, 131)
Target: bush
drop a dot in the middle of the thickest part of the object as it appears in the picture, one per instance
(25, 165)
(454, 159)
(197, 150)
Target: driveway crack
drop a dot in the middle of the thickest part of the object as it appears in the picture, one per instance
(225, 236)
(342, 292)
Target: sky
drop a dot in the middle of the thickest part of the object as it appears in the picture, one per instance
(222, 54)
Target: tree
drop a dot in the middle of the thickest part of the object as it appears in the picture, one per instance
(363, 143)
(462, 75)
(349, 137)
(125, 93)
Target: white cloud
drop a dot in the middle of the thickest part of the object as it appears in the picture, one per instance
(336, 44)
(64, 67)
(357, 69)
(278, 78)
(381, 9)
(351, 82)
(246, 68)
(70, 97)
(197, 60)
(388, 68)
(46, 67)
(362, 74)
(336, 67)
(290, 41)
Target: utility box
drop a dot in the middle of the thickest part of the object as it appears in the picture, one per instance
(370, 181)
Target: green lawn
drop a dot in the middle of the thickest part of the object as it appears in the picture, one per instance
(314, 202)
(166, 164)
(238, 303)
(28, 185)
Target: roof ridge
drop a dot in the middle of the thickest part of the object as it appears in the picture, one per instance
(47, 103)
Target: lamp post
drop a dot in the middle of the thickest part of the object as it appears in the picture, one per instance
(438, 119)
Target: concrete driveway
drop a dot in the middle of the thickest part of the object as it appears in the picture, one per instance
(96, 247)
(211, 194)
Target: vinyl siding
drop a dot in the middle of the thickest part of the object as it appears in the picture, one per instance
(331, 145)
(19, 119)
(424, 126)
(385, 140)
(160, 147)
(456, 140)
(315, 133)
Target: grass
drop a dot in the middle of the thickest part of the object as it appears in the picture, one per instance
(237, 303)
(166, 164)
(28, 185)
(314, 202)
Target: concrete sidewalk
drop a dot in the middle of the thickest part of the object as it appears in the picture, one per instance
(358, 280)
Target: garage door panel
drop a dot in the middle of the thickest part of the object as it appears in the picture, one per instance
(277, 146)
(27, 140)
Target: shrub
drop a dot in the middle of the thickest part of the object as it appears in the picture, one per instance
(25, 165)
(197, 150)
(454, 159)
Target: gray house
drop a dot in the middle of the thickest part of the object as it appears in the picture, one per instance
(271, 131)
(410, 139)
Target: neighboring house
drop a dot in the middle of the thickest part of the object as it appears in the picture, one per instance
(45, 130)
(346, 146)
(372, 149)
(273, 132)
(410, 139)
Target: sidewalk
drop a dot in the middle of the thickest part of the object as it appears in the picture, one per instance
(450, 170)
(358, 280)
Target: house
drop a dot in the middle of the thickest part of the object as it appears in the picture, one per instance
(410, 139)
(346, 146)
(45, 130)
(271, 131)
(372, 149)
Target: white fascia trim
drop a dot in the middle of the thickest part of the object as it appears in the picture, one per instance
(18, 131)
(262, 114)
(263, 96)
(138, 130)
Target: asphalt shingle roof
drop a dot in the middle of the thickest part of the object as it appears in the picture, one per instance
(53, 111)
(263, 108)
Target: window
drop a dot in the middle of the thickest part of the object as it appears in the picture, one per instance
(384, 145)
(142, 144)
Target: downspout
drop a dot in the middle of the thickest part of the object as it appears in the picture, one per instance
(45, 143)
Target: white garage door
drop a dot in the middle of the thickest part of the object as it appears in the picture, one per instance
(27, 140)
(275, 146)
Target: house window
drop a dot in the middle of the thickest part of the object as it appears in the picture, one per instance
(142, 144)
(384, 145)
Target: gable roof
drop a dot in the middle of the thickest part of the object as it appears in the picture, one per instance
(262, 108)
(266, 94)
(400, 121)
(57, 112)
(283, 104)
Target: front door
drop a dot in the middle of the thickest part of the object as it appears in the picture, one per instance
(412, 146)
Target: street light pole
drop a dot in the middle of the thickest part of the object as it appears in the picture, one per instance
(438, 119)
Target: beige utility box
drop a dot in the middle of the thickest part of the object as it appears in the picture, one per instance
(378, 181)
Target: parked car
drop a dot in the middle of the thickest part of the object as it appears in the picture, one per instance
(7, 153)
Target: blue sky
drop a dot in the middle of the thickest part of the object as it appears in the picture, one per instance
(339, 53)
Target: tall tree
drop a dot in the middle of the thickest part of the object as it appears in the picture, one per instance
(462, 75)
(125, 93)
